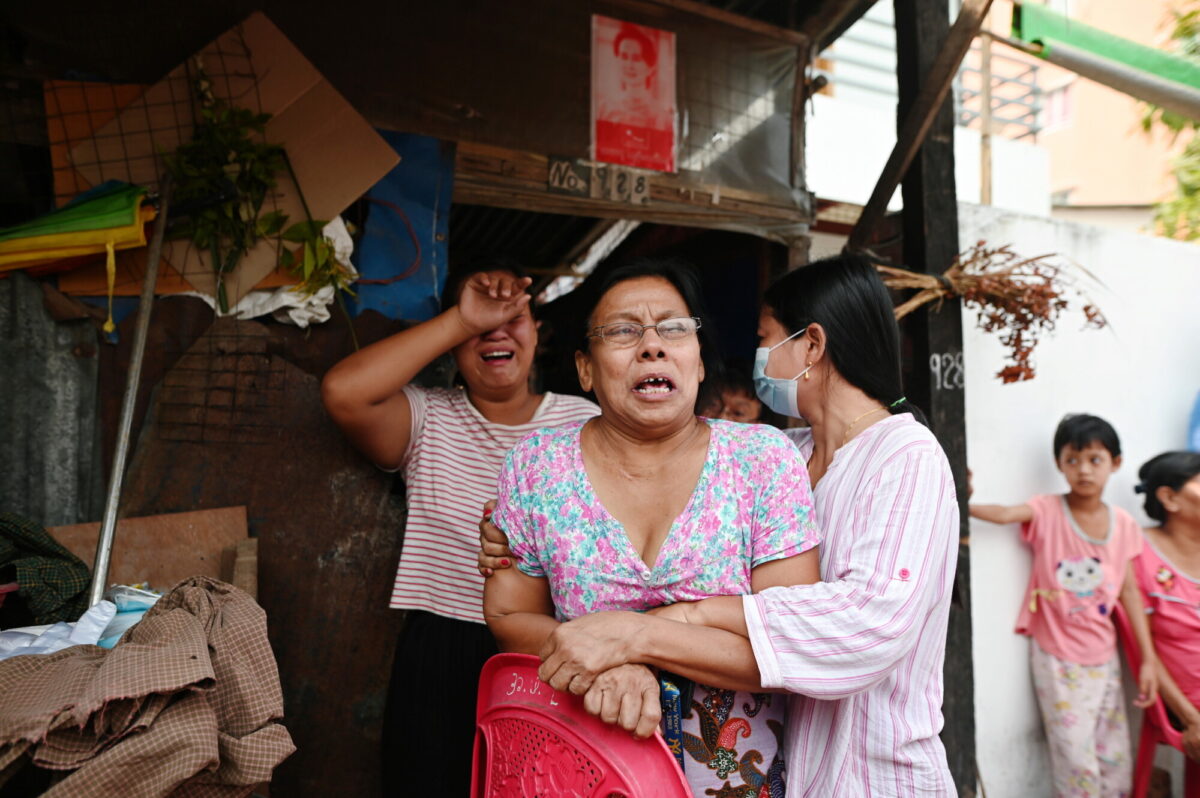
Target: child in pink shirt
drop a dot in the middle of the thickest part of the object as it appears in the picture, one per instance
(1083, 551)
(1168, 572)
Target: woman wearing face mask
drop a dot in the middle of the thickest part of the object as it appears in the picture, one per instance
(860, 652)
(449, 445)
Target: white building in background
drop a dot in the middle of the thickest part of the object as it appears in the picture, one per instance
(1072, 173)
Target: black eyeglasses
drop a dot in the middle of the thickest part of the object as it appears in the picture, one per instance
(628, 333)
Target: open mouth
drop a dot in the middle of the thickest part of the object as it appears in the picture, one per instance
(654, 385)
(499, 354)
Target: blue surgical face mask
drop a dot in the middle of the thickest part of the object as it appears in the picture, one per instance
(777, 394)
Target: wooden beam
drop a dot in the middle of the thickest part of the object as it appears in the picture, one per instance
(919, 117)
(735, 20)
(933, 337)
(499, 177)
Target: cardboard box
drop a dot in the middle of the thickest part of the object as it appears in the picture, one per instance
(336, 154)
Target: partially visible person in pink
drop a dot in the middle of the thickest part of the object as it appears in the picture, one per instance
(1083, 550)
(646, 505)
(1168, 573)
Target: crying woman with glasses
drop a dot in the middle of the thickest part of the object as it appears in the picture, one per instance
(648, 505)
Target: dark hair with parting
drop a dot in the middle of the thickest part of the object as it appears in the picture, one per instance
(1079, 430)
(845, 295)
(1171, 470)
(459, 275)
(684, 279)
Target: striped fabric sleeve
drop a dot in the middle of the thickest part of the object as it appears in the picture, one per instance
(836, 638)
(418, 408)
(512, 515)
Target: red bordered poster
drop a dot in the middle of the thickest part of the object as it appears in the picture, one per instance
(633, 95)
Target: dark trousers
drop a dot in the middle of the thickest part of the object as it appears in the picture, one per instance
(429, 723)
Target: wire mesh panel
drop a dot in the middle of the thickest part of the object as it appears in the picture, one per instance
(226, 388)
(104, 131)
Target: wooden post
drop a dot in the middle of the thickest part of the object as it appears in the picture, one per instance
(935, 378)
(917, 116)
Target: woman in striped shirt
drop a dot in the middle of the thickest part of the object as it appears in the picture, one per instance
(449, 445)
(861, 651)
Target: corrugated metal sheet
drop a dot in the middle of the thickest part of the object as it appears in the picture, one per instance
(50, 467)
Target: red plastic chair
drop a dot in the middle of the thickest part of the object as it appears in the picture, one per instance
(532, 741)
(1156, 726)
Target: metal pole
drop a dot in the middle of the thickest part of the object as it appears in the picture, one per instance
(116, 476)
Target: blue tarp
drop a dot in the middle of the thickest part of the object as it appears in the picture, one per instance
(404, 245)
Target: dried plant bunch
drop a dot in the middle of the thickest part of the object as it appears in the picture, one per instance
(1015, 297)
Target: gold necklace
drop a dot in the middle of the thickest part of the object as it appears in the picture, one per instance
(850, 426)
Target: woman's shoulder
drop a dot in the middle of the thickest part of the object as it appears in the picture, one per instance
(738, 433)
(901, 435)
(566, 407)
(756, 446)
(547, 443)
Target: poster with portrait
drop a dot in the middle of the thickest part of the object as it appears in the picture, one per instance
(633, 95)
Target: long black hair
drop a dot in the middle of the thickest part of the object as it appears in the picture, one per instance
(685, 281)
(1169, 469)
(845, 295)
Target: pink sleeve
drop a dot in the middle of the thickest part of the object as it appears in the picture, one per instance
(512, 515)
(418, 404)
(836, 638)
(1137, 541)
(1143, 574)
(1030, 530)
(784, 522)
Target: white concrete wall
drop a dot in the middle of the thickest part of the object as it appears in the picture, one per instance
(848, 145)
(1142, 374)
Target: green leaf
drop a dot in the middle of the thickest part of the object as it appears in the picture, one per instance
(271, 223)
(310, 260)
(303, 231)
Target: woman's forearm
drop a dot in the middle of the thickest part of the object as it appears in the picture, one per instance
(1174, 698)
(522, 632)
(376, 372)
(710, 656)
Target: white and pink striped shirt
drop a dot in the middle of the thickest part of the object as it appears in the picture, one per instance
(861, 652)
(450, 469)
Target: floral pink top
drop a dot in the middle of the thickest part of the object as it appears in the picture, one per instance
(752, 504)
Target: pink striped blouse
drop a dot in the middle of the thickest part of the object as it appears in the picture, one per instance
(450, 470)
(861, 652)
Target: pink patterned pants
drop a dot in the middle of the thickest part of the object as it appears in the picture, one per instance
(1083, 710)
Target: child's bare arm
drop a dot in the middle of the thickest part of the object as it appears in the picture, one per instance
(1002, 513)
(1131, 599)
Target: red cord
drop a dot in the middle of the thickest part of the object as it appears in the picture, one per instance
(416, 264)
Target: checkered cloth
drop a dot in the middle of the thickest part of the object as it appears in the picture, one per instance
(53, 581)
(187, 704)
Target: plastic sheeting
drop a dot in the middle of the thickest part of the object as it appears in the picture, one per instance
(402, 259)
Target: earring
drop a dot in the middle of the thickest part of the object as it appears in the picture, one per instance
(806, 375)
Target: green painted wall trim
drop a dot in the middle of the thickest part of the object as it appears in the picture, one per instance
(1036, 24)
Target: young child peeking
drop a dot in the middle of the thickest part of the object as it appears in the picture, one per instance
(1082, 555)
